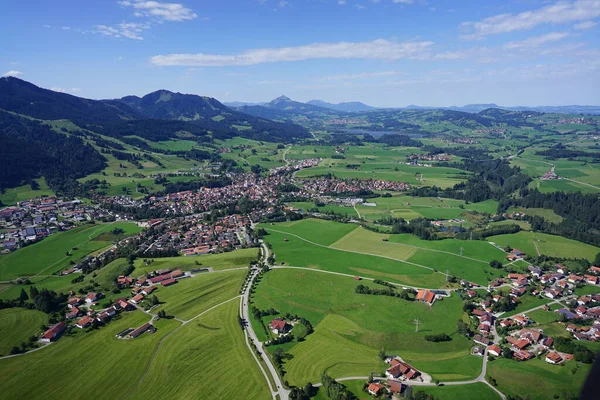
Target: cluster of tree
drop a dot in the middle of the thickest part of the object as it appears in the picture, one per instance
(420, 395)
(463, 328)
(561, 151)
(287, 187)
(388, 291)
(281, 339)
(47, 301)
(303, 393)
(308, 329)
(399, 140)
(258, 313)
(580, 352)
(278, 358)
(335, 390)
(208, 182)
(489, 231)
(440, 337)
(419, 227)
(30, 149)
(581, 213)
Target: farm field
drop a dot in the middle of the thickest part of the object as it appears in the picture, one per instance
(527, 302)
(48, 256)
(316, 230)
(537, 379)
(475, 391)
(196, 362)
(234, 259)
(18, 325)
(191, 296)
(545, 213)
(59, 370)
(550, 245)
(299, 253)
(351, 328)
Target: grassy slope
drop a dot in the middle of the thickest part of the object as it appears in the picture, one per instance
(350, 328)
(547, 244)
(191, 296)
(536, 378)
(197, 362)
(86, 360)
(17, 325)
(48, 256)
(316, 230)
(475, 391)
(14, 195)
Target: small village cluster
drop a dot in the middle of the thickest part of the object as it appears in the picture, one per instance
(319, 186)
(430, 157)
(83, 312)
(296, 165)
(32, 220)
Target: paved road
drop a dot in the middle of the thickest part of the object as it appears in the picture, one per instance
(279, 390)
(43, 346)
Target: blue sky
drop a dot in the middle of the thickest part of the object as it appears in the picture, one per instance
(381, 52)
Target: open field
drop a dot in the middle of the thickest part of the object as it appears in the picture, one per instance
(192, 296)
(549, 245)
(475, 391)
(234, 259)
(527, 302)
(537, 379)
(14, 195)
(351, 328)
(299, 253)
(18, 325)
(196, 362)
(316, 230)
(48, 256)
(545, 213)
(59, 370)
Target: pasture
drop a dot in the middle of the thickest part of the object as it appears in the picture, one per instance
(316, 230)
(59, 370)
(351, 328)
(533, 243)
(15, 195)
(191, 296)
(537, 379)
(49, 255)
(474, 391)
(18, 325)
(196, 361)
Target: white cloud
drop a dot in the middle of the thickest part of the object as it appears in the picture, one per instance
(402, 1)
(129, 30)
(46, 26)
(557, 13)
(65, 90)
(585, 25)
(12, 73)
(161, 11)
(342, 2)
(379, 49)
(65, 28)
(536, 41)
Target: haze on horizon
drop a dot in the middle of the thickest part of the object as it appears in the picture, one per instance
(386, 53)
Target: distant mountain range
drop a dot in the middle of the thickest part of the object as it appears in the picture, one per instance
(355, 106)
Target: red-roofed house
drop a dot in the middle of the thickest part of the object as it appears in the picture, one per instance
(136, 299)
(279, 326)
(554, 358)
(375, 389)
(168, 282)
(426, 296)
(494, 350)
(149, 290)
(84, 322)
(523, 355)
(53, 333)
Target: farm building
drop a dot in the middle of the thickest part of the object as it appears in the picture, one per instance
(138, 331)
(426, 296)
(53, 333)
(279, 326)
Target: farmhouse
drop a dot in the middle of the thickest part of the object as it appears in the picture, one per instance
(495, 350)
(519, 344)
(400, 368)
(136, 299)
(93, 297)
(149, 290)
(375, 389)
(591, 279)
(523, 355)
(533, 336)
(84, 322)
(53, 333)
(138, 331)
(426, 296)
(279, 326)
(481, 340)
(554, 358)
(395, 387)
(74, 313)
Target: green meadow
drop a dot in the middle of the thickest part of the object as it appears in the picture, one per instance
(49, 255)
(15, 195)
(474, 391)
(351, 328)
(533, 243)
(18, 325)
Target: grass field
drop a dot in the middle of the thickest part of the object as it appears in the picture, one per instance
(92, 358)
(14, 195)
(475, 391)
(18, 325)
(537, 379)
(48, 256)
(316, 230)
(550, 245)
(527, 302)
(351, 328)
(191, 296)
(196, 362)
(545, 213)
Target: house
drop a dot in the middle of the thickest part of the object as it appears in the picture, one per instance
(93, 297)
(149, 290)
(478, 351)
(583, 300)
(533, 336)
(400, 368)
(484, 329)
(554, 358)
(535, 271)
(547, 342)
(138, 331)
(375, 389)
(426, 296)
(521, 320)
(594, 269)
(84, 322)
(73, 301)
(481, 340)
(137, 299)
(124, 281)
(494, 350)
(158, 279)
(479, 313)
(552, 293)
(518, 292)
(575, 278)
(519, 344)
(523, 355)
(591, 279)
(471, 293)
(568, 314)
(73, 313)
(53, 333)
(487, 319)
(279, 326)
(395, 387)
(506, 322)
(562, 269)
(168, 282)
(162, 271)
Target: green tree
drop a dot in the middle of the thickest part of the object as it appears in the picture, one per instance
(23, 296)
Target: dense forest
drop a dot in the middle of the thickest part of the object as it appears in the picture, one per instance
(30, 149)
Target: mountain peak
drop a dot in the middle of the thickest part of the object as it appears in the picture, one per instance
(281, 98)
